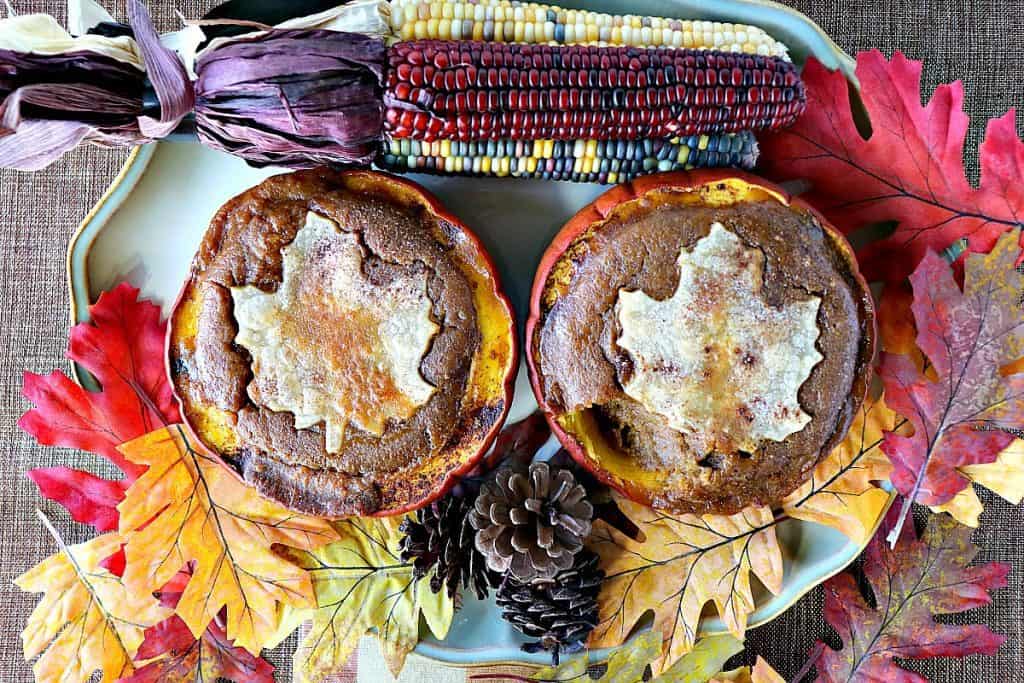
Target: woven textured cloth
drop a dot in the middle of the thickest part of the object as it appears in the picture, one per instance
(977, 41)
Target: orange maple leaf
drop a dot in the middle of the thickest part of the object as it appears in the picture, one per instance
(87, 620)
(188, 508)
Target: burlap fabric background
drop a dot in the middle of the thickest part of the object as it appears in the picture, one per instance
(978, 41)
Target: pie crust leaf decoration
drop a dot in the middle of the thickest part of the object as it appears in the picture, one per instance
(841, 491)
(171, 654)
(189, 509)
(714, 359)
(87, 619)
(331, 346)
(682, 563)
(361, 583)
(910, 170)
(122, 346)
(963, 403)
(911, 584)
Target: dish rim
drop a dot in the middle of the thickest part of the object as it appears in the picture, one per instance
(78, 283)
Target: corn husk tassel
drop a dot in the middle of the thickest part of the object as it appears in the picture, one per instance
(298, 98)
(57, 90)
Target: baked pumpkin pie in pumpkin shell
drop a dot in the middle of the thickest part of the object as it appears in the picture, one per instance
(342, 343)
(700, 340)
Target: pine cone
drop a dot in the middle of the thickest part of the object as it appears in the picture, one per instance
(441, 538)
(531, 524)
(560, 613)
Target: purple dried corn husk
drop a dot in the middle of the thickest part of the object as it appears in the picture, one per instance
(166, 73)
(296, 97)
(59, 91)
(81, 86)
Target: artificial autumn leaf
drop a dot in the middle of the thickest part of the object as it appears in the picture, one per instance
(172, 654)
(910, 170)
(122, 346)
(840, 492)
(629, 662)
(188, 508)
(762, 672)
(181, 658)
(959, 418)
(361, 583)
(682, 563)
(87, 619)
(713, 555)
(90, 499)
(911, 584)
(1004, 476)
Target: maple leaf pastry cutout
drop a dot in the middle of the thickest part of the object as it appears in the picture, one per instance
(330, 345)
(731, 379)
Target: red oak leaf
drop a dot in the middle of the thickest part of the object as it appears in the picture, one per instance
(911, 584)
(179, 657)
(968, 338)
(123, 347)
(909, 171)
(90, 499)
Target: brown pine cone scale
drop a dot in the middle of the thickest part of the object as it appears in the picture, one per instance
(441, 540)
(531, 525)
(560, 613)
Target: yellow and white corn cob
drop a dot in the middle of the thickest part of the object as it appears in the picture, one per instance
(527, 22)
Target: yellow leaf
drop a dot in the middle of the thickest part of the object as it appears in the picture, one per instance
(86, 620)
(626, 664)
(682, 563)
(1004, 477)
(702, 662)
(761, 673)
(361, 583)
(188, 507)
(840, 492)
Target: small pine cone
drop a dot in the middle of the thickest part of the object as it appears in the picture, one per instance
(531, 524)
(441, 539)
(560, 613)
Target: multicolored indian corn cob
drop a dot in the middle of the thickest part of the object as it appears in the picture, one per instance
(528, 22)
(471, 90)
(575, 160)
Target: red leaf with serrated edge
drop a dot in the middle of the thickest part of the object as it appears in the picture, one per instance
(90, 499)
(968, 337)
(65, 414)
(183, 658)
(180, 657)
(123, 347)
(910, 170)
(911, 584)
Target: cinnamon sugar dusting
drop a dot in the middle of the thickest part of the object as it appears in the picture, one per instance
(329, 345)
(714, 359)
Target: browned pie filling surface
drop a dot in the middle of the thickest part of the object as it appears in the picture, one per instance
(695, 413)
(335, 333)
